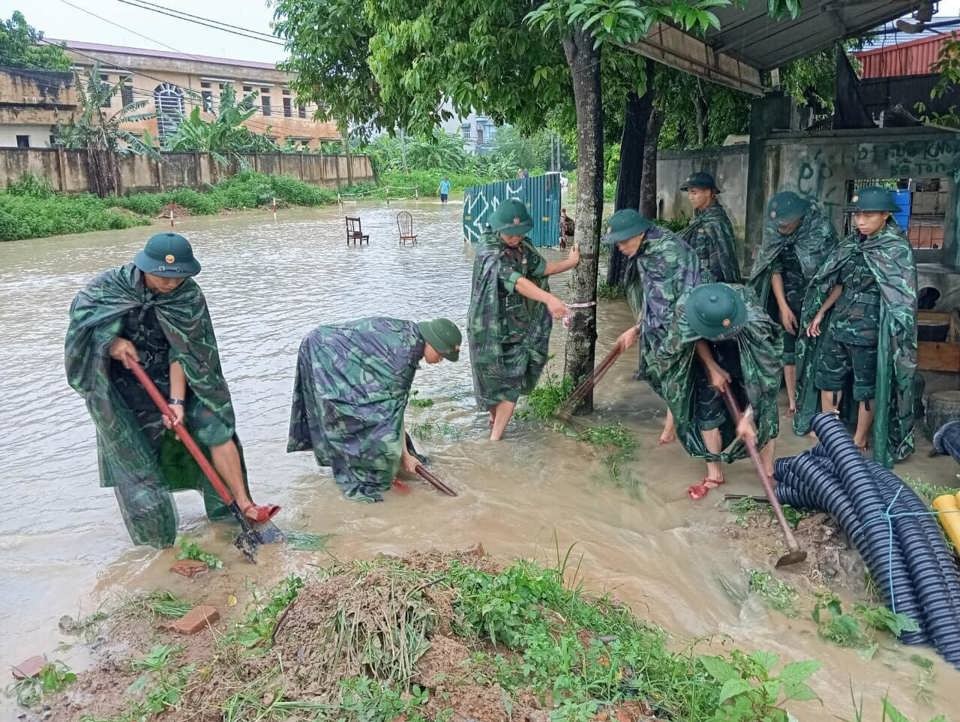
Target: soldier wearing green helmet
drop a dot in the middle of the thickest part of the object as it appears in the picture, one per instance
(351, 390)
(511, 313)
(710, 233)
(151, 311)
(660, 267)
(797, 238)
(721, 338)
(860, 346)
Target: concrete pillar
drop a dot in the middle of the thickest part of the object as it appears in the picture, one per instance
(769, 113)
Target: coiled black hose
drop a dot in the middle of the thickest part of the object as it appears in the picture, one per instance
(893, 529)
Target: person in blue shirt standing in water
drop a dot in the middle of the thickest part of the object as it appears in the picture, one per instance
(444, 189)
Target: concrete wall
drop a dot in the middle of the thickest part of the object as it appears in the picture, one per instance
(66, 170)
(727, 165)
(38, 135)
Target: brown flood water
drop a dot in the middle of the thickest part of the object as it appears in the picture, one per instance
(65, 549)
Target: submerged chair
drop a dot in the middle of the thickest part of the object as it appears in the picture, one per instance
(355, 232)
(405, 225)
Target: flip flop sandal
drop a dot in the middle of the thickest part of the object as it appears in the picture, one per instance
(698, 491)
(259, 514)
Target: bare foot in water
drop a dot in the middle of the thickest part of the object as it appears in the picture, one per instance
(667, 436)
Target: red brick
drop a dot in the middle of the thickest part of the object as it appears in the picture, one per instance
(190, 567)
(29, 667)
(196, 620)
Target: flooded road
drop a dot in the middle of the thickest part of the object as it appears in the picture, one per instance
(65, 548)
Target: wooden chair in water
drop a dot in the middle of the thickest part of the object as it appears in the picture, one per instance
(355, 232)
(405, 225)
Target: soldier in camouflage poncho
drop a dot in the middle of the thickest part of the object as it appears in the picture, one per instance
(660, 267)
(510, 315)
(797, 237)
(151, 311)
(353, 381)
(710, 233)
(721, 337)
(864, 348)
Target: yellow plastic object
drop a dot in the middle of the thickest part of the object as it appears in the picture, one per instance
(949, 516)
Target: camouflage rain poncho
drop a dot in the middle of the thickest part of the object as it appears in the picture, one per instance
(710, 235)
(812, 242)
(508, 333)
(353, 380)
(890, 258)
(759, 344)
(137, 457)
(661, 270)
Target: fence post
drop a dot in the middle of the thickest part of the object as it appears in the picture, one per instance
(62, 169)
(256, 162)
(336, 165)
(197, 170)
(301, 165)
(159, 174)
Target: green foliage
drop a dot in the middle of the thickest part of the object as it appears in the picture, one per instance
(21, 47)
(435, 430)
(166, 604)
(879, 617)
(857, 629)
(304, 541)
(609, 292)
(257, 626)
(157, 659)
(29, 216)
(189, 549)
(224, 137)
(547, 398)
(743, 509)
(32, 186)
(891, 713)
(948, 67)
(620, 446)
(367, 699)
(677, 224)
(52, 678)
(775, 592)
(419, 403)
(928, 491)
(750, 691)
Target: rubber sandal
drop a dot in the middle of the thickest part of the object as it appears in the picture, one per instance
(698, 491)
(259, 514)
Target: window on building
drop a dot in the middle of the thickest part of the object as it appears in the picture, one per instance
(287, 107)
(206, 97)
(126, 90)
(23, 141)
(265, 104)
(243, 100)
(286, 91)
(105, 84)
(301, 111)
(479, 135)
(169, 103)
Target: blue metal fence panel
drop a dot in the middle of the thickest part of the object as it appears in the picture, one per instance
(541, 194)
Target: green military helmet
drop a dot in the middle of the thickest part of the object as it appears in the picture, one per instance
(444, 336)
(786, 206)
(715, 312)
(512, 218)
(624, 225)
(169, 255)
(700, 179)
(874, 199)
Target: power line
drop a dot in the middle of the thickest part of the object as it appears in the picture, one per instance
(122, 27)
(206, 22)
(158, 7)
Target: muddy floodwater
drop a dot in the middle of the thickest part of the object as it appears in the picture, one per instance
(65, 549)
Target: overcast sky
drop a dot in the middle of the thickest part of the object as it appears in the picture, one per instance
(58, 19)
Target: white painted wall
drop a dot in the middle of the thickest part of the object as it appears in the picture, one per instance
(39, 135)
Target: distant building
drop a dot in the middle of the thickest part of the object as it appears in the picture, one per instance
(896, 54)
(32, 102)
(174, 83)
(477, 131)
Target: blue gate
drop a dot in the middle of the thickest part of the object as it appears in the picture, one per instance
(541, 195)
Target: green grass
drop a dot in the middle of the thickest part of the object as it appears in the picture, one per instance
(775, 593)
(546, 399)
(189, 549)
(53, 678)
(609, 292)
(166, 604)
(620, 446)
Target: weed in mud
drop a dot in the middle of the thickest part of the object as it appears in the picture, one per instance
(166, 604)
(436, 430)
(52, 678)
(621, 448)
(888, 711)
(927, 491)
(743, 509)
(189, 549)
(856, 629)
(157, 658)
(546, 399)
(257, 627)
(304, 541)
(610, 291)
(776, 593)
(926, 678)
(86, 628)
(751, 692)
(418, 403)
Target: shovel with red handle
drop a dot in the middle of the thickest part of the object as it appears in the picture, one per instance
(795, 555)
(579, 393)
(250, 537)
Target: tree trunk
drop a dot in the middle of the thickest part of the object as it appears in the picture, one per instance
(700, 106)
(632, 143)
(346, 152)
(648, 186)
(584, 62)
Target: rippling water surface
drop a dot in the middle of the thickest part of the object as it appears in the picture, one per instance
(64, 546)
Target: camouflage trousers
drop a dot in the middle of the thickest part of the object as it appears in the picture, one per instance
(710, 409)
(837, 361)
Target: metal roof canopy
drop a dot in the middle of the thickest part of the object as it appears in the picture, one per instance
(749, 41)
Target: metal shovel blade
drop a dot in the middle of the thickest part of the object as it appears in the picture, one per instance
(793, 557)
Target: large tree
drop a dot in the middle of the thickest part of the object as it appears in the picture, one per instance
(21, 46)
(411, 64)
